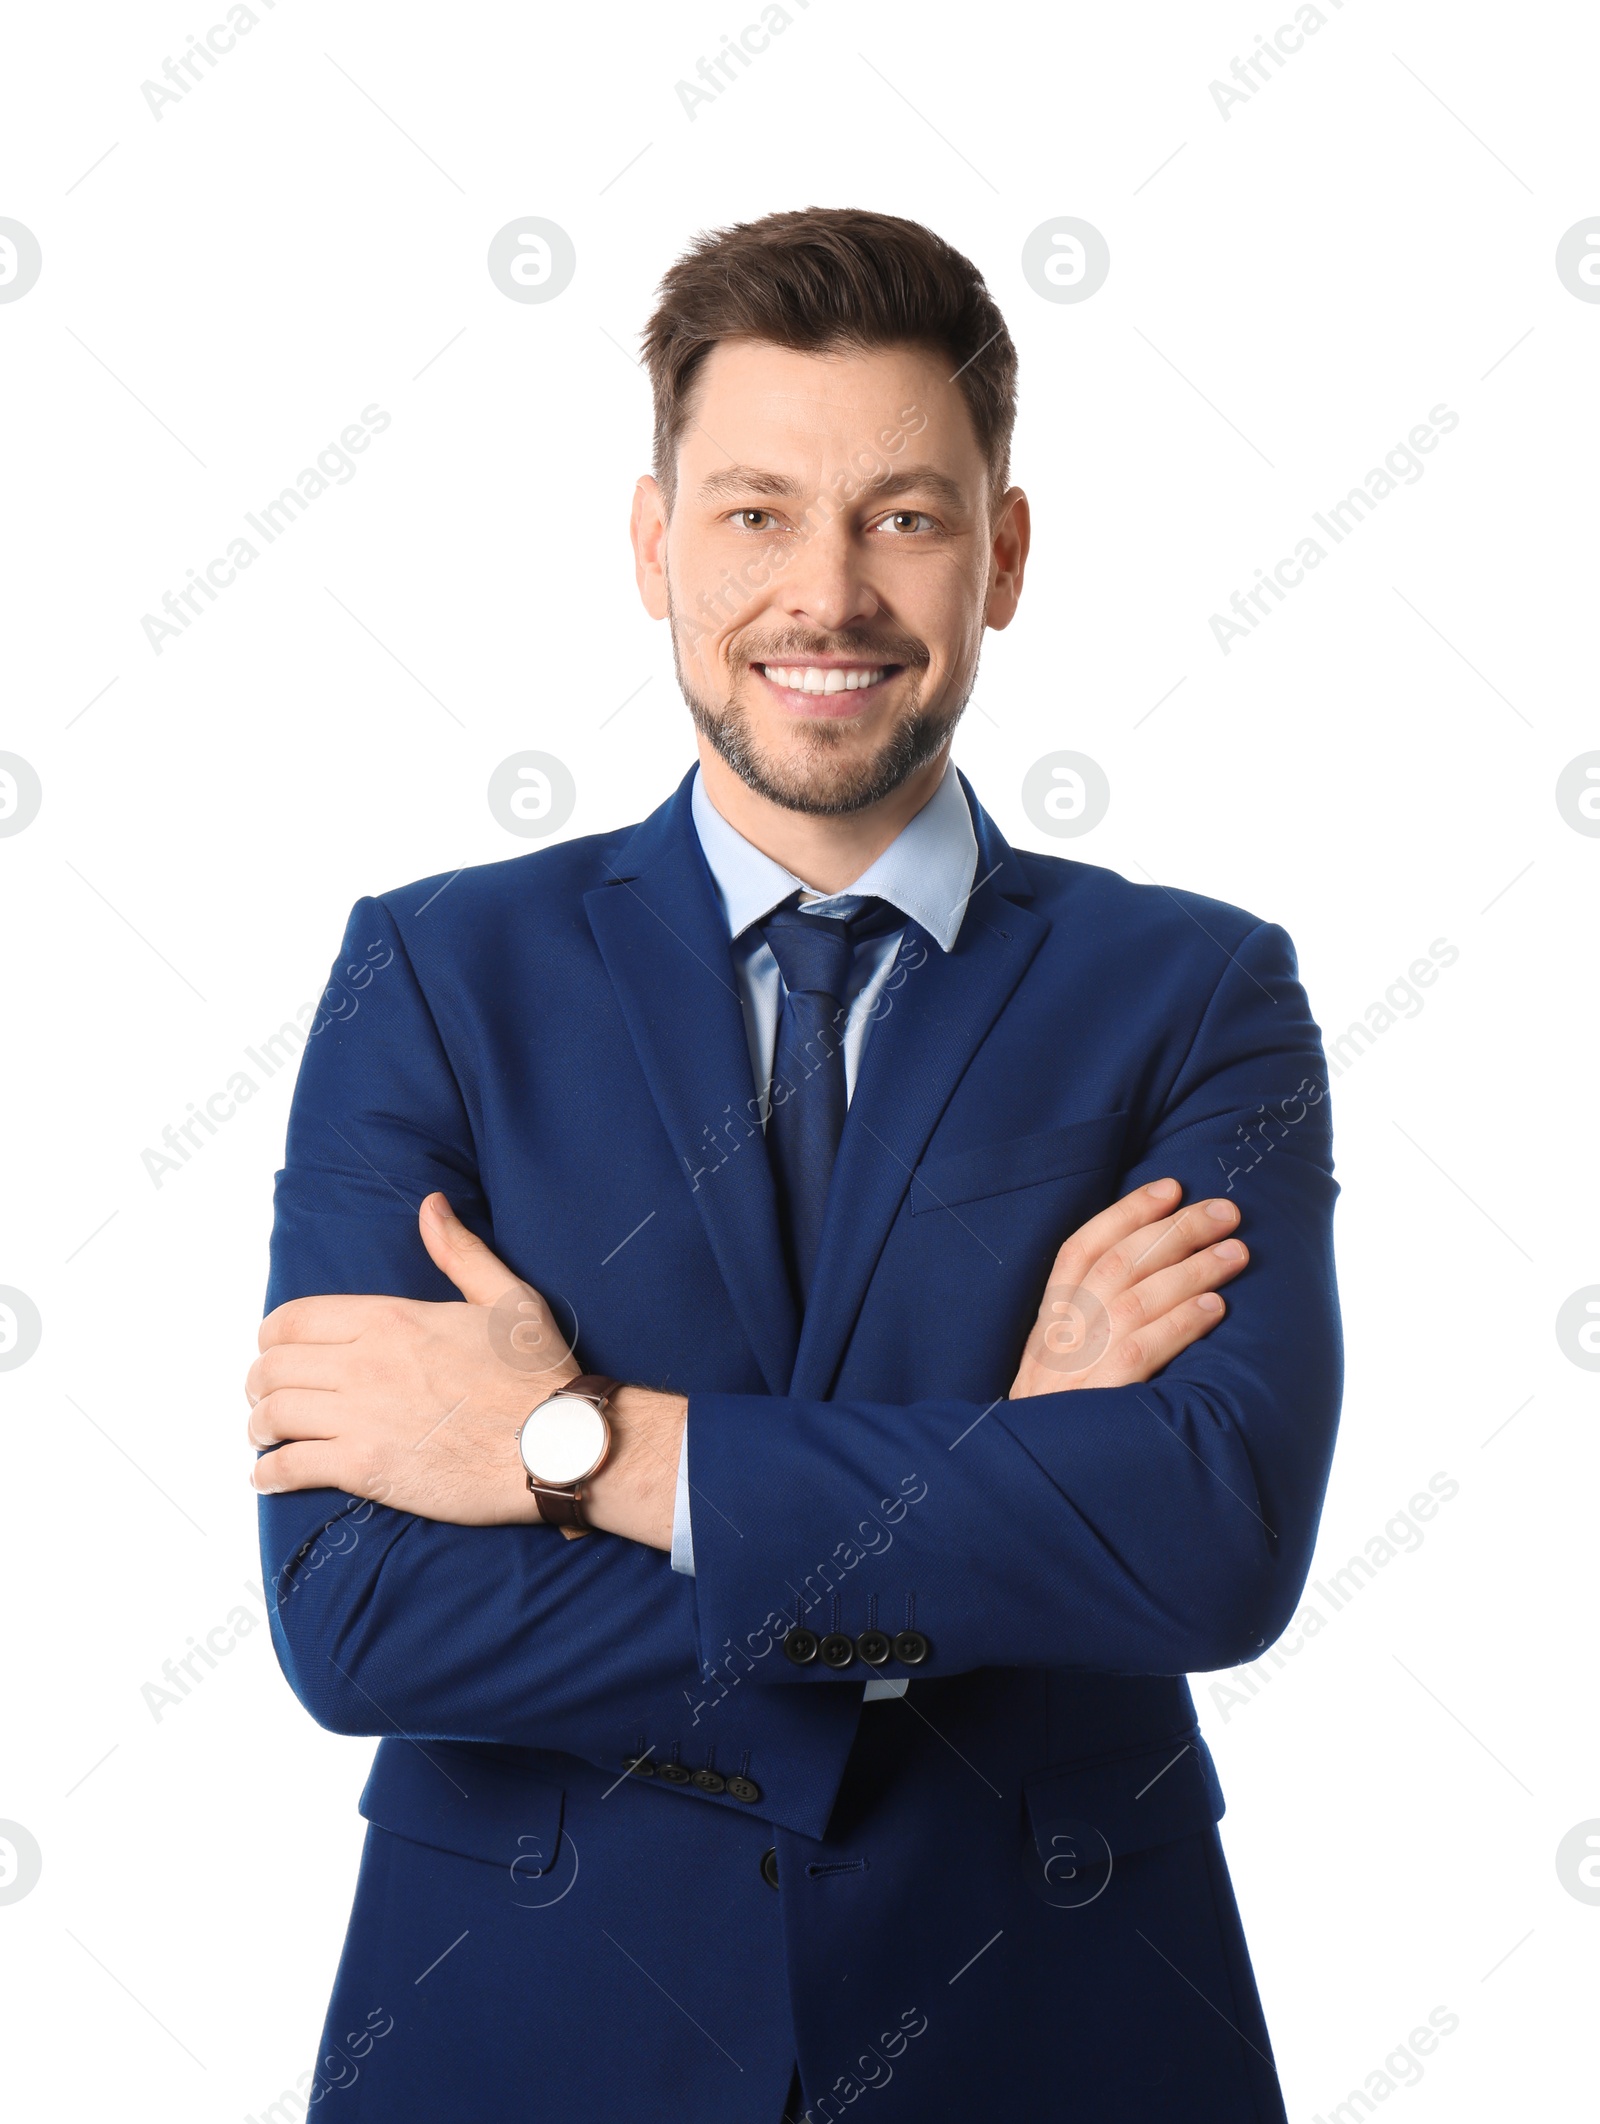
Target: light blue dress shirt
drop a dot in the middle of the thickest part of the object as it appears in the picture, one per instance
(926, 872)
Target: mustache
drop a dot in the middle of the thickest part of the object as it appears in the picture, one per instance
(796, 647)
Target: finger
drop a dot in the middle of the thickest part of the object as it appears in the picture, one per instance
(1153, 1296)
(1078, 1254)
(291, 1413)
(324, 1365)
(477, 1273)
(315, 1466)
(330, 1319)
(1140, 1356)
(1171, 1239)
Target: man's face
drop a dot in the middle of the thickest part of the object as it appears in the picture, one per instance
(831, 560)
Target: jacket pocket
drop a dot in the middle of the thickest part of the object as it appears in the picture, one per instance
(943, 1181)
(467, 1801)
(1083, 1817)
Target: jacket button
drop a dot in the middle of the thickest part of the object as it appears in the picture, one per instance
(769, 1865)
(874, 1647)
(801, 1647)
(709, 1781)
(911, 1648)
(837, 1650)
(639, 1765)
(744, 1788)
(674, 1773)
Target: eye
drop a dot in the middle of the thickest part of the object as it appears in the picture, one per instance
(905, 522)
(754, 519)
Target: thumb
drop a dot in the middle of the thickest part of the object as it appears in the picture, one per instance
(477, 1273)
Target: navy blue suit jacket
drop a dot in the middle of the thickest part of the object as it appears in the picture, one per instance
(1003, 1895)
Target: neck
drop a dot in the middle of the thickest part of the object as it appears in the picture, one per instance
(826, 853)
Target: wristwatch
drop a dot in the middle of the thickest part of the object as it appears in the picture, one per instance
(564, 1440)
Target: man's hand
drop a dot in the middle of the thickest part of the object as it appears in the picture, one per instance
(418, 1405)
(1129, 1290)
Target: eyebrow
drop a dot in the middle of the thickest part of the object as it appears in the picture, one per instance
(750, 479)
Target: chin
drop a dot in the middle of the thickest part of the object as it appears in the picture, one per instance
(824, 788)
(826, 770)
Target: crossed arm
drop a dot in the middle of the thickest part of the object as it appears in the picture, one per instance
(417, 1405)
(1161, 1525)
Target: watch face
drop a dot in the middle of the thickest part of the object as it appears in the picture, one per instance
(564, 1440)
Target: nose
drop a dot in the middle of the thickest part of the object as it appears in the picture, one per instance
(827, 585)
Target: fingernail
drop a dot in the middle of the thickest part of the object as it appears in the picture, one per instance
(1229, 1250)
(1161, 1188)
(1209, 1302)
(1220, 1212)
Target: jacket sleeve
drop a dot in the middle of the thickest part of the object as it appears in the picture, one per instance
(1156, 1529)
(386, 1623)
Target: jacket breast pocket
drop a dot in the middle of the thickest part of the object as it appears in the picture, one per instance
(947, 1179)
(469, 1801)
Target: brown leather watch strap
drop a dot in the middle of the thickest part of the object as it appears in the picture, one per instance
(593, 1386)
(563, 1508)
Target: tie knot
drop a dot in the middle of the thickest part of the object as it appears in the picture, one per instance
(814, 951)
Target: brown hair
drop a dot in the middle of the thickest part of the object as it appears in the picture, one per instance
(824, 278)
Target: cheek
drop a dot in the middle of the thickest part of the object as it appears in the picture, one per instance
(703, 645)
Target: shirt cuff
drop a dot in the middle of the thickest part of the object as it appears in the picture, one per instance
(682, 1532)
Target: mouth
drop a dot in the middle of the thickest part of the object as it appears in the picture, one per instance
(828, 687)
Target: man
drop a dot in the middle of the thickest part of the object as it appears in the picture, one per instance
(784, 1445)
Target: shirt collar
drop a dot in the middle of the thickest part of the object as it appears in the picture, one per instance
(926, 871)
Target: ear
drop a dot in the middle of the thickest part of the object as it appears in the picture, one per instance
(1008, 557)
(648, 529)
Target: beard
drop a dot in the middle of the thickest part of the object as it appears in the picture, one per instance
(817, 775)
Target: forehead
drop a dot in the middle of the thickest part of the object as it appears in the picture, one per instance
(776, 406)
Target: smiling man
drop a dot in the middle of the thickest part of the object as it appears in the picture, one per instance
(746, 1409)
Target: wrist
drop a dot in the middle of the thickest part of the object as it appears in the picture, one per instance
(634, 1493)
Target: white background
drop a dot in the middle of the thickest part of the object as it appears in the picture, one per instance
(1371, 234)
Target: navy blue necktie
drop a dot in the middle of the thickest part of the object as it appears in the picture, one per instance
(814, 955)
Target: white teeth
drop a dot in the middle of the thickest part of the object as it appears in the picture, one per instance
(813, 678)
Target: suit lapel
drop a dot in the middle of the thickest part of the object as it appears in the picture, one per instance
(665, 944)
(914, 1058)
